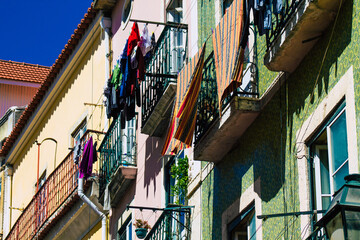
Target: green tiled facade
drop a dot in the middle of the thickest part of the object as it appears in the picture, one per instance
(267, 150)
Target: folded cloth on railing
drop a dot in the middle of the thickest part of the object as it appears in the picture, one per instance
(228, 52)
(184, 110)
(87, 160)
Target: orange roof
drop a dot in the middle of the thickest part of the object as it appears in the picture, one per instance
(49, 79)
(23, 71)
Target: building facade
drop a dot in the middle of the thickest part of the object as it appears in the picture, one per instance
(213, 120)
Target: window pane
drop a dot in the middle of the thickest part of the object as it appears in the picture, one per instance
(252, 228)
(339, 147)
(339, 176)
(325, 202)
(324, 171)
(353, 224)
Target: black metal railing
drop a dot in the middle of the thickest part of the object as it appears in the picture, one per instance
(280, 20)
(172, 224)
(162, 68)
(317, 234)
(118, 148)
(208, 109)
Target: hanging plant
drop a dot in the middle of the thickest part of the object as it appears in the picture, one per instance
(179, 172)
(141, 228)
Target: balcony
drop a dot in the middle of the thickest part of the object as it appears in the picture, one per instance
(214, 135)
(173, 223)
(297, 31)
(54, 199)
(118, 159)
(159, 87)
(105, 5)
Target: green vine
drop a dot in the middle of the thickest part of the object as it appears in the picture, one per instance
(179, 172)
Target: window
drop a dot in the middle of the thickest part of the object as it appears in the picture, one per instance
(169, 181)
(129, 142)
(78, 133)
(126, 13)
(243, 227)
(225, 5)
(330, 159)
(174, 11)
(125, 232)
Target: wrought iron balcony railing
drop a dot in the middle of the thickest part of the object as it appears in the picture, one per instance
(318, 234)
(208, 110)
(118, 148)
(280, 20)
(172, 224)
(163, 66)
(49, 202)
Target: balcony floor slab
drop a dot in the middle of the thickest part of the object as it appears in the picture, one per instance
(300, 34)
(225, 132)
(158, 121)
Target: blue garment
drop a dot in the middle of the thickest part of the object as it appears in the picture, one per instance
(267, 17)
(277, 6)
(259, 4)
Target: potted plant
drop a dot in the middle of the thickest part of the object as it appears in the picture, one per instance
(141, 228)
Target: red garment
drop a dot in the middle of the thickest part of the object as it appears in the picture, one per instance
(134, 38)
(141, 65)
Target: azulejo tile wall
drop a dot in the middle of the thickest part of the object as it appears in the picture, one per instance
(267, 150)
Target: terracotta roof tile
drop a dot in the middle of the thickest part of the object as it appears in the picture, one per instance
(23, 71)
(50, 77)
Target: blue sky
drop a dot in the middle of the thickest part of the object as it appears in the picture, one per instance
(36, 31)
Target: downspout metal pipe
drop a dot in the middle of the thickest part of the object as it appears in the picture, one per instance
(106, 26)
(93, 207)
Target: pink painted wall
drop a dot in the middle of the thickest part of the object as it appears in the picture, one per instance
(15, 95)
(148, 187)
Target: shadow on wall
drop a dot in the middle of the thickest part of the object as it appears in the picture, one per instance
(302, 82)
(152, 163)
(116, 219)
(50, 113)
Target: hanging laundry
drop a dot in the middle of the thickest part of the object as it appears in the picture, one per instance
(87, 160)
(278, 6)
(134, 38)
(124, 79)
(77, 152)
(115, 80)
(107, 94)
(145, 41)
(133, 58)
(267, 16)
(228, 52)
(94, 152)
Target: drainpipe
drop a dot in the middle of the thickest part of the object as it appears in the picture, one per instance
(106, 26)
(7, 200)
(93, 207)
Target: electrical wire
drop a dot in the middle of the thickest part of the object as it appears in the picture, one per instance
(318, 76)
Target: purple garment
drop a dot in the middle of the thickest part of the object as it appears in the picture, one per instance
(87, 160)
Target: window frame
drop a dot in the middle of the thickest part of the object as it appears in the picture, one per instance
(247, 216)
(126, 227)
(315, 168)
(125, 19)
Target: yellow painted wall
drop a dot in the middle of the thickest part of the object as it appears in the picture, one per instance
(94, 234)
(84, 84)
